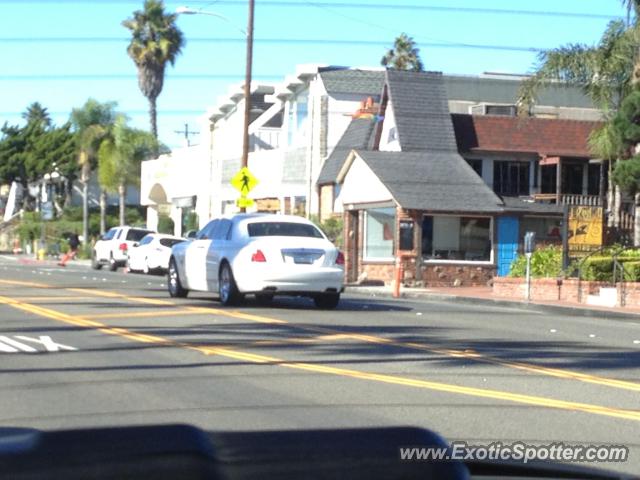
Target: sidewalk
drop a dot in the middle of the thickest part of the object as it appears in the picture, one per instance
(24, 259)
(485, 296)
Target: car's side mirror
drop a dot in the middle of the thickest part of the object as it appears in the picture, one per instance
(136, 244)
(191, 234)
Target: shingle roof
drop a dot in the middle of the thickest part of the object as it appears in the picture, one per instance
(421, 111)
(543, 136)
(359, 82)
(434, 181)
(356, 136)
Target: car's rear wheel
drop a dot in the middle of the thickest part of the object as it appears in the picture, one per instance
(113, 266)
(95, 263)
(327, 301)
(227, 288)
(173, 281)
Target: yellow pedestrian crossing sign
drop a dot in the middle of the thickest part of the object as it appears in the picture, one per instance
(244, 181)
(244, 202)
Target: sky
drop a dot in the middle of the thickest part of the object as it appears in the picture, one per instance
(62, 52)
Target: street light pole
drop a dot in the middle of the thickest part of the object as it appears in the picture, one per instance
(247, 90)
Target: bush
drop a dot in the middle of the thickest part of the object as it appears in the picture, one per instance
(165, 224)
(191, 222)
(632, 271)
(598, 269)
(545, 263)
(332, 227)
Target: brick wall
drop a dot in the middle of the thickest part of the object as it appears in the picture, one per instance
(448, 275)
(550, 289)
(378, 271)
(629, 294)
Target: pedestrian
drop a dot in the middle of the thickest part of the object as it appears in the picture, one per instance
(74, 243)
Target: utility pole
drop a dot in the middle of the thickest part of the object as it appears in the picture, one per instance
(186, 132)
(247, 89)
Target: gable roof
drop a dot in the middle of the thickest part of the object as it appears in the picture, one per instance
(544, 136)
(359, 82)
(433, 181)
(421, 111)
(356, 136)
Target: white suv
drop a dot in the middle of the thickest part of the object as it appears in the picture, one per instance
(113, 246)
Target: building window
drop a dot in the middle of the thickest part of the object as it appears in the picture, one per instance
(380, 225)
(511, 178)
(456, 238)
(476, 164)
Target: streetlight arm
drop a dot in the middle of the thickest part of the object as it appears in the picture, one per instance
(190, 11)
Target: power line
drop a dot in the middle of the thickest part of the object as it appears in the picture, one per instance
(278, 41)
(369, 6)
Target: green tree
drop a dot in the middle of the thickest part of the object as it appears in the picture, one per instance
(92, 123)
(626, 173)
(604, 71)
(119, 157)
(403, 56)
(155, 41)
(28, 153)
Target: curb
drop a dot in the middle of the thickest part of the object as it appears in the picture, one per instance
(535, 307)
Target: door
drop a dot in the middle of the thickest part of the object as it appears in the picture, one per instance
(195, 264)
(508, 231)
(220, 236)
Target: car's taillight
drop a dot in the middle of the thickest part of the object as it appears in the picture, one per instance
(123, 247)
(258, 257)
(340, 258)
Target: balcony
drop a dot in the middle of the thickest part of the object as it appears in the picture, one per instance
(569, 199)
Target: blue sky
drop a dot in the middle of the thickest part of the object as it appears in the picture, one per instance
(60, 53)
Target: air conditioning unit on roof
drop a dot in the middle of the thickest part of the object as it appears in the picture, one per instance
(494, 109)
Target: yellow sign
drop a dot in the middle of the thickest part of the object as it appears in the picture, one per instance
(585, 228)
(244, 202)
(244, 181)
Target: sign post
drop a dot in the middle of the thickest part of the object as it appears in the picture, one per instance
(529, 247)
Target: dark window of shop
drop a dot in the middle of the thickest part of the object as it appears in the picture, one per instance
(456, 238)
(476, 165)
(511, 178)
(572, 178)
(593, 186)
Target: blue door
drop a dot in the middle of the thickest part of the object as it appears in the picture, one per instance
(508, 229)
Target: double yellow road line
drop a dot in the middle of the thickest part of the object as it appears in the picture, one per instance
(232, 353)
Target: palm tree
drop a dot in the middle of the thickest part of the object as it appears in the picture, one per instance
(155, 41)
(403, 56)
(606, 143)
(92, 123)
(37, 114)
(119, 158)
(604, 72)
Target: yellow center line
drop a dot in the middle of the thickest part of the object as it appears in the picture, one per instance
(466, 354)
(155, 313)
(342, 372)
(17, 283)
(53, 298)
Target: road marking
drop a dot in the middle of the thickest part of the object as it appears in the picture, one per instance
(48, 343)
(24, 284)
(48, 299)
(471, 355)
(154, 313)
(18, 345)
(342, 372)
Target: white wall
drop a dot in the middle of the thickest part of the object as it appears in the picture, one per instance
(361, 185)
(388, 124)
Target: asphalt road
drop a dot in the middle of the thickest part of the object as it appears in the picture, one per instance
(81, 348)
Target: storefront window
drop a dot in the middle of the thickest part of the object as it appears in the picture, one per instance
(548, 230)
(456, 238)
(380, 224)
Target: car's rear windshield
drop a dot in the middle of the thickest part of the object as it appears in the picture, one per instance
(282, 229)
(136, 235)
(169, 242)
